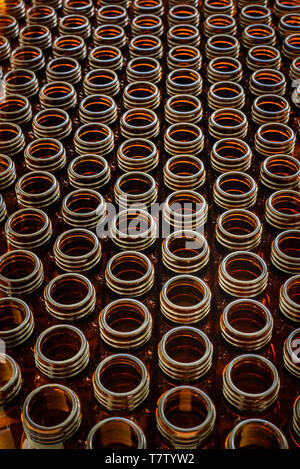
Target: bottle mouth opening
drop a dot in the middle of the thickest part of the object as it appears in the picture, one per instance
(109, 32)
(185, 409)
(287, 244)
(219, 20)
(238, 224)
(117, 433)
(291, 289)
(252, 376)
(184, 133)
(101, 77)
(255, 11)
(88, 167)
(244, 267)
(17, 266)
(264, 54)
(281, 166)
(222, 42)
(56, 91)
(37, 184)
(275, 133)
(184, 166)
(49, 407)
(9, 132)
(97, 105)
(27, 222)
(183, 104)
(231, 149)
(185, 292)
(268, 77)
(63, 65)
(271, 104)
(132, 224)
(225, 64)
(60, 345)
(14, 313)
(112, 11)
(256, 434)
(68, 43)
(40, 12)
(184, 53)
(228, 118)
(129, 267)
(124, 318)
(225, 90)
(183, 12)
(285, 203)
(105, 54)
(135, 185)
(68, 290)
(94, 133)
(77, 243)
(120, 375)
(235, 184)
(44, 150)
(246, 318)
(51, 118)
(185, 346)
(183, 77)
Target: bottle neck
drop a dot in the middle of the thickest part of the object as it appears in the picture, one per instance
(121, 383)
(185, 417)
(11, 380)
(60, 409)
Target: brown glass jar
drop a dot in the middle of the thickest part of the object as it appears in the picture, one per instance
(251, 384)
(223, 69)
(21, 273)
(28, 57)
(280, 172)
(37, 189)
(185, 417)
(129, 274)
(256, 434)
(65, 69)
(137, 154)
(84, 208)
(22, 82)
(16, 325)
(12, 140)
(29, 229)
(121, 383)
(184, 172)
(282, 210)
(185, 299)
(117, 433)
(125, 324)
(61, 352)
(243, 274)
(10, 392)
(185, 252)
(288, 300)
(238, 229)
(184, 80)
(55, 427)
(42, 14)
(246, 325)
(89, 171)
(69, 297)
(185, 354)
(230, 154)
(46, 154)
(77, 250)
